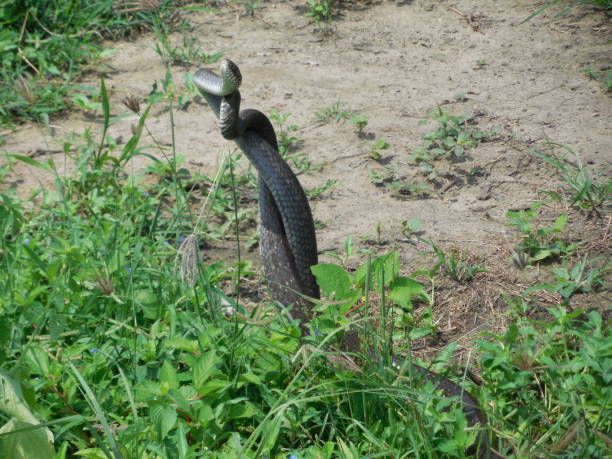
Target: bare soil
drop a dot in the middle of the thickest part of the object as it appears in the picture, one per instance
(394, 63)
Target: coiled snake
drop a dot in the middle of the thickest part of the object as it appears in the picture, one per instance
(287, 235)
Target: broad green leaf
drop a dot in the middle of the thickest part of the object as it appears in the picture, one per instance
(204, 368)
(31, 442)
(243, 410)
(37, 360)
(333, 280)
(12, 401)
(404, 289)
(164, 417)
(417, 333)
(167, 374)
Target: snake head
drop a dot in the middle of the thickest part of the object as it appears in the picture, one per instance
(232, 78)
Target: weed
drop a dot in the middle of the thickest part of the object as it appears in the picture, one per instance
(570, 5)
(349, 250)
(314, 193)
(410, 227)
(320, 11)
(390, 180)
(533, 366)
(452, 138)
(188, 53)
(582, 277)
(374, 238)
(48, 48)
(583, 191)
(377, 147)
(539, 243)
(335, 112)
(288, 144)
(359, 123)
(286, 141)
(250, 6)
(454, 265)
(604, 76)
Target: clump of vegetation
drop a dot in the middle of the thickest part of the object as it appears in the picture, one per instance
(579, 187)
(604, 76)
(396, 183)
(453, 137)
(540, 243)
(320, 11)
(335, 112)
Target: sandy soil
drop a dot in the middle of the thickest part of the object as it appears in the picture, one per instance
(394, 63)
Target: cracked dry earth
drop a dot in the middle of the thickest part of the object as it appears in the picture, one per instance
(394, 63)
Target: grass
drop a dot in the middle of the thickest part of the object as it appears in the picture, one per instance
(113, 351)
(118, 340)
(47, 46)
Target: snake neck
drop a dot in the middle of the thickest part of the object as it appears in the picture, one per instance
(229, 116)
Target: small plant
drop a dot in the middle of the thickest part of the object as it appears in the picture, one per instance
(288, 144)
(582, 277)
(286, 141)
(335, 112)
(539, 243)
(250, 6)
(320, 11)
(349, 250)
(359, 123)
(454, 265)
(569, 5)
(314, 193)
(188, 53)
(584, 192)
(374, 238)
(377, 147)
(410, 227)
(452, 138)
(388, 179)
(604, 76)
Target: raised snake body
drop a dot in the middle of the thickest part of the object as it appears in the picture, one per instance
(287, 235)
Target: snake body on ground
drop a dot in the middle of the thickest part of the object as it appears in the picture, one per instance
(287, 235)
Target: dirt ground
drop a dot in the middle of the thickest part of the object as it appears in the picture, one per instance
(394, 63)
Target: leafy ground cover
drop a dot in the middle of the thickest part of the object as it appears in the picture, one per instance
(117, 339)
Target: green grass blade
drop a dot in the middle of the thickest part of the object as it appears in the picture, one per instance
(93, 402)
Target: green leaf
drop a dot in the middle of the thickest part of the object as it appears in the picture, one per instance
(243, 410)
(105, 104)
(404, 289)
(560, 223)
(12, 401)
(270, 433)
(167, 374)
(541, 255)
(417, 333)
(30, 161)
(387, 267)
(37, 360)
(204, 368)
(333, 280)
(32, 442)
(164, 418)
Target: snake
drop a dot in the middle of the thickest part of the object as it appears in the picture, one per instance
(288, 242)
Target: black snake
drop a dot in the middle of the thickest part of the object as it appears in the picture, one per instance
(287, 235)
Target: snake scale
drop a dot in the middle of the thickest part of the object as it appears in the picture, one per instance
(287, 235)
